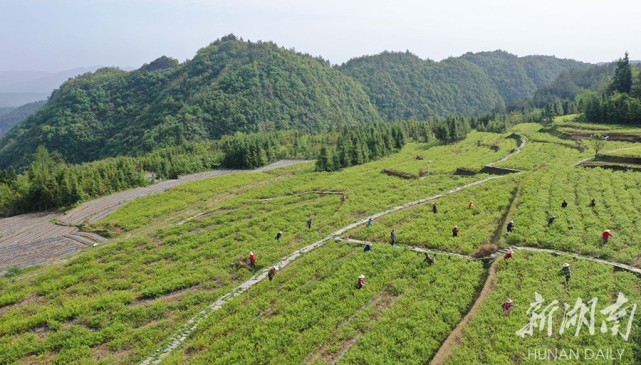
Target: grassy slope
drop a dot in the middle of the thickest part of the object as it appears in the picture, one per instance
(117, 302)
(178, 251)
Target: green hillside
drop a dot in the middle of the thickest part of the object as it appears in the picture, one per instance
(403, 86)
(518, 78)
(174, 278)
(229, 86)
(16, 115)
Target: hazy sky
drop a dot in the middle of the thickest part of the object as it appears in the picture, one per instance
(54, 35)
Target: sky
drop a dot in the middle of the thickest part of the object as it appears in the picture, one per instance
(56, 35)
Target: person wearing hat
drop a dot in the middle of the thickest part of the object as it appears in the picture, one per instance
(455, 231)
(606, 235)
(566, 271)
(508, 254)
(370, 222)
(507, 306)
(272, 272)
(252, 259)
(510, 226)
(392, 236)
(551, 220)
(279, 235)
(361, 281)
(429, 260)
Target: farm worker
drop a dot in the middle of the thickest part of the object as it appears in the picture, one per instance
(508, 254)
(434, 208)
(510, 226)
(392, 236)
(455, 231)
(551, 220)
(309, 223)
(507, 306)
(606, 235)
(593, 203)
(252, 259)
(564, 204)
(370, 222)
(566, 271)
(272, 272)
(471, 205)
(367, 248)
(361, 281)
(279, 235)
(429, 259)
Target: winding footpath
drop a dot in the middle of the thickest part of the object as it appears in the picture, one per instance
(188, 328)
(41, 238)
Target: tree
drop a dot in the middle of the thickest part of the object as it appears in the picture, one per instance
(622, 81)
(598, 143)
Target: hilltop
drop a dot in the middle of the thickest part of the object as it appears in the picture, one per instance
(404, 86)
(229, 86)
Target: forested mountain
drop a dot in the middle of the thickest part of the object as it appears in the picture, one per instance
(229, 86)
(518, 78)
(403, 86)
(572, 82)
(16, 115)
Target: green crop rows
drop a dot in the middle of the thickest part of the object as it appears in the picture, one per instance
(174, 253)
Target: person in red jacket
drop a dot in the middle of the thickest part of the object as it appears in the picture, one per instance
(606, 235)
(361, 281)
(252, 259)
(508, 254)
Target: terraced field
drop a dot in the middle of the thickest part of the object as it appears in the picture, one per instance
(40, 238)
(174, 284)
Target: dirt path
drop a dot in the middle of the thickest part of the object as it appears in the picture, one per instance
(40, 238)
(457, 334)
(188, 328)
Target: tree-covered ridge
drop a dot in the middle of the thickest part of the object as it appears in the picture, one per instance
(16, 115)
(571, 83)
(403, 86)
(229, 86)
(518, 78)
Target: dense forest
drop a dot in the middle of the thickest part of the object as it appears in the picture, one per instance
(620, 102)
(230, 86)
(50, 183)
(518, 78)
(16, 115)
(403, 86)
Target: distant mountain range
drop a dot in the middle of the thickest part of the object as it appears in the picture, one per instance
(22, 87)
(239, 86)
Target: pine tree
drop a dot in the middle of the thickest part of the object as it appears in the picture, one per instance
(622, 81)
